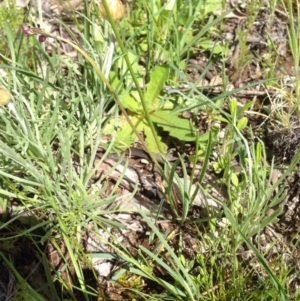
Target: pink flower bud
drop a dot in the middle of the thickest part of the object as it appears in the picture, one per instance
(42, 38)
(27, 30)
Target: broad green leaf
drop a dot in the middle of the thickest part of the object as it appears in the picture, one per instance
(215, 48)
(217, 167)
(132, 102)
(233, 107)
(114, 80)
(234, 179)
(220, 118)
(199, 155)
(258, 153)
(150, 140)
(134, 60)
(124, 74)
(177, 127)
(158, 78)
(125, 135)
(170, 5)
(245, 107)
(211, 6)
(242, 123)
(97, 33)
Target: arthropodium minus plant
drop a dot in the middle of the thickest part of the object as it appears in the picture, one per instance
(120, 10)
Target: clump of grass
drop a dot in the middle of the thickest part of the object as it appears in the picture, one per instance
(293, 14)
(9, 14)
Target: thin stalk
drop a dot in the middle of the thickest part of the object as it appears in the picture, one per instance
(129, 66)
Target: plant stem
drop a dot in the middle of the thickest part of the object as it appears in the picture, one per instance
(129, 65)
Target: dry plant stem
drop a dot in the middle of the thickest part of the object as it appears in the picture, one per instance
(38, 31)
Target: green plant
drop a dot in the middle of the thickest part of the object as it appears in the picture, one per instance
(173, 30)
(45, 182)
(9, 15)
(293, 14)
(160, 112)
(50, 136)
(228, 151)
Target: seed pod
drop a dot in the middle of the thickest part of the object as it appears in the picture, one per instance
(4, 96)
(116, 8)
